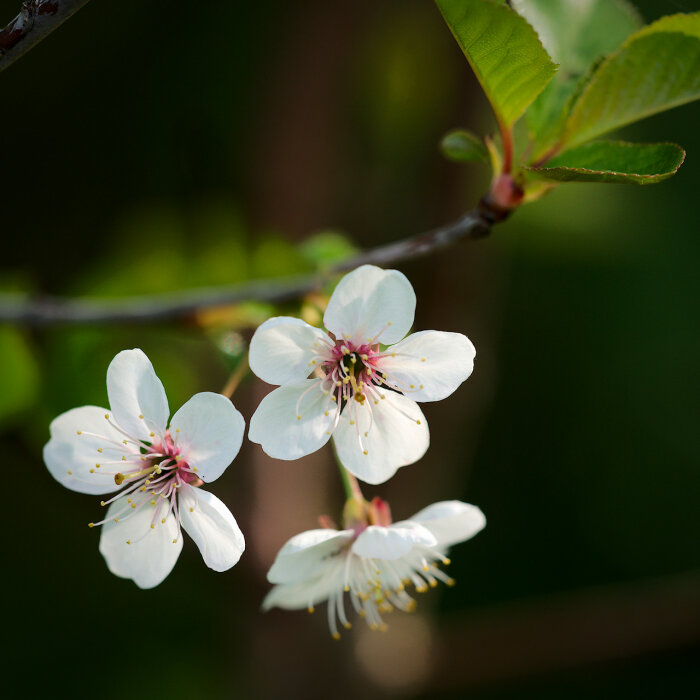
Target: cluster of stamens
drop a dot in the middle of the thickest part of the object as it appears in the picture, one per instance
(150, 471)
(377, 587)
(352, 375)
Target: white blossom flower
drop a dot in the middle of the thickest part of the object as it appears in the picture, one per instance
(156, 469)
(360, 391)
(374, 564)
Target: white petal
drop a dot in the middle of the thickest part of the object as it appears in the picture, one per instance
(368, 299)
(392, 542)
(307, 554)
(434, 360)
(209, 431)
(295, 596)
(283, 348)
(134, 390)
(277, 427)
(72, 458)
(147, 560)
(398, 436)
(451, 521)
(212, 527)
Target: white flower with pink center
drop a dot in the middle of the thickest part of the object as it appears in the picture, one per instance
(360, 382)
(375, 564)
(157, 469)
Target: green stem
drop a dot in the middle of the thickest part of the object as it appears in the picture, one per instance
(350, 483)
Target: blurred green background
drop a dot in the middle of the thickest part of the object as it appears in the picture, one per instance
(153, 146)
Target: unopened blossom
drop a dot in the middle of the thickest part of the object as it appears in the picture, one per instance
(376, 565)
(360, 381)
(156, 471)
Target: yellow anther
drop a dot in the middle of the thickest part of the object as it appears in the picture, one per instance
(347, 625)
(128, 500)
(153, 502)
(106, 416)
(375, 401)
(450, 582)
(310, 609)
(80, 432)
(125, 442)
(97, 466)
(102, 503)
(426, 567)
(128, 541)
(421, 386)
(92, 471)
(393, 354)
(99, 449)
(373, 626)
(446, 561)
(194, 469)
(383, 396)
(70, 473)
(177, 430)
(328, 432)
(191, 510)
(163, 521)
(366, 434)
(336, 636)
(362, 613)
(347, 589)
(116, 520)
(133, 505)
(364, 452)
(140, 416)
(152, 434)
(433, 583)
(422, 359)
(123, 458)
(153, 526)
(363, 357)
(411, 386)
(175, 541)
(91, 524)
(298, 417)
(325, 413)
(352, 422)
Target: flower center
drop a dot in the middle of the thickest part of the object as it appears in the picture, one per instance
(154, 472)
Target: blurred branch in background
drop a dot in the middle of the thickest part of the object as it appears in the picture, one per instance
(36, 19)
(570, 631)
(17, 308)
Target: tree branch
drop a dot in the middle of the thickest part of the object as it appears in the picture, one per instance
(17, 308)
(36, 19)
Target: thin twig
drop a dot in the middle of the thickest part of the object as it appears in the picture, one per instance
(19, 309)
(36, 19)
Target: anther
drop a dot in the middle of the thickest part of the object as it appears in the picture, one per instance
(422, 359)
(152, 434)
(70, 473)
(128, 541)
(91, 524)
(298, 417)
(336, 636)
(92, 471)
(153, 527)
(80, 432)
(99, 449)
(191, 510)
(140, 416)
(106, 416)
(310, 609)
(102, 503)
(417, 422)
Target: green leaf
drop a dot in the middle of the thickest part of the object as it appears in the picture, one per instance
(614, 161)
(326, 247)
(463, 147)
(504, 52)
(576, 33)
(655, 69)
(19, 375)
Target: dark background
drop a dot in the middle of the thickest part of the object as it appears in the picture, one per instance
(149, 146)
